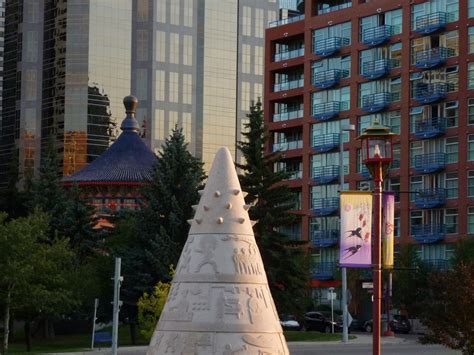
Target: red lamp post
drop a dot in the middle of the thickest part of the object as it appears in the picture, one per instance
(377, 154)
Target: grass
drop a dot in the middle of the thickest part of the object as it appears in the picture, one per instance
(313, 336)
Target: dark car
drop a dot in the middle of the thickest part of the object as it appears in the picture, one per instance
(398, 324)
(321, 322)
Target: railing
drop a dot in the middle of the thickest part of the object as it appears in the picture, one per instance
(325, 238)
(328, 110)
(325, 206)
(324, 270)
(428, 233)
(376, 102)
(325, 143)
(297, 174)
(288, 85)
(365, 173)
(285, 21)
(326, 10)
(328, 46)
(295, 53)
(378, 68)
(326, 79)
(325, 174)
(429, 163)
(430, 128)
(377, 35)
(431, 58)
(431, 22)
(430, 198)
(284, 146)
(289, 115)
(437, 264)
(426, 93)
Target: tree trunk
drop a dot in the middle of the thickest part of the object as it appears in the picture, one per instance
(6, 322)
(133, 332)
(27, 329)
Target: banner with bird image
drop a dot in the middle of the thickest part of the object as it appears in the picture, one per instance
(356, 229)
(388, 215)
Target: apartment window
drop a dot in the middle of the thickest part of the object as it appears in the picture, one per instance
(470, 8)
(160, 85)
(31, 42)
(161, 11)
(174, 48)
(416, 183)
(142, 83)
(451, 220)
(142, 10)
(392, 86)
(341, 95)
(391, 18)
(451, 149)
(30, 79)
(470, 76)
(142, 45)
(259, 27)
(390, 119)
(416, 218)
(247, 21)
(394, 185)
(393, 51)
(470, 220)
(188, 13)
(451, 185)
(246, 58)
(187, 88)
(470, 42)
(187, 50)
(451, 7)
(396, 222)
(160, 55)
(416, 148)
(174, 87)
(470, 183)
(470, 147)
(451, 113)
(470, 111)
(341, 30)
(258, 58)
(174, 12)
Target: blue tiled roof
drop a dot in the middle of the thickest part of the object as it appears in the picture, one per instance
(127, 160)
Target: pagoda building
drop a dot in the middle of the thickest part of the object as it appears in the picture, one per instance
(113, 181)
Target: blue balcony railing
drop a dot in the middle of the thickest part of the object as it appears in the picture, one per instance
(326, 79)
(326, 142)
(295, 53)
(327, 110)
(431, 58)
(329, 46)
(430, 198)
(325, 10)
(324, 270)
(288, 85)
(426, 93)
(378, 68)
(325, 206)
(289, 115)
(289, 145)
(430, 127)
(437, 264)
(428, 233)
(325, 174)
(431, 22)
(429, 163)
(325, 238)
(286, 21)
(365, 173)
(377, 35)
(376, 102)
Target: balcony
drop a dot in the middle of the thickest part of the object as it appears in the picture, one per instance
(431, 22)
(328, 78)
(329, 46)
(436, 264)
(376, 102)
(327, 110)
(431, 58)
(377, 35)
(365, 173)
(294, 175)
(430, 198)
(325, 174)
(285, 21)
(289, 115)
(426, 93)
(325, 239)
(324, 270)
(326, 142)
(430, 127)
(325, 206)
(327, 9)
(295, 53)
(378, 68)
(284, 146)
(429, 163)
(288, 85)
(428, 233)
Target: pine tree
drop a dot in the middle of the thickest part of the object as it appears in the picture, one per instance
(285, 260)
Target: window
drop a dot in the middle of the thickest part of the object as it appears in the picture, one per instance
(160, 46)
(393, 51)
(160, 85)
(142, 45)
(142, 10)
(174, 12)
(31, 42)
(391, 18)
(341, 30)
(451, 113)
(161, 11)
(451, 149)
(470, 43)
(470, 147)
(416, 218)
(142, 83)
(174, 48)
(416, 148)
(188, 13)
(396, 157)
(246, 58)
(470, 76)
(247, 21)
(259, 26)
(394, 185)
(470, 183)
(416, 183)
(187, 50)
(451, 220)
(470, 220)
(470, 111)
(470, 10)
(451, 185)
(174, 87)
(396, 222)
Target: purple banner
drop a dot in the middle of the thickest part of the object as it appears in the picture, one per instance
(356, 225)
(388, 218)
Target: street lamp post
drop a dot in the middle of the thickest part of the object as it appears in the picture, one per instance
(377, 154)
(345, 326)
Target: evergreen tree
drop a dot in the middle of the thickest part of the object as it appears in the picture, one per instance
(285, 260)
(12, 200)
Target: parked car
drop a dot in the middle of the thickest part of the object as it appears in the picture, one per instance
(289, 322)
(321, 321)
(398, 324)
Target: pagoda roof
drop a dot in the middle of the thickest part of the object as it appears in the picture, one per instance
(127, 160)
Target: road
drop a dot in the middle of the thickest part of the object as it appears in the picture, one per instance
(365, 349)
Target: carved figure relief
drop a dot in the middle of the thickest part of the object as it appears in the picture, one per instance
(247, 261)
(207, 246)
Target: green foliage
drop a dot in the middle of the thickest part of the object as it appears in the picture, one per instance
(285, 260)
(151, 305)
(12, 200)
(464, 252)
(449, 309)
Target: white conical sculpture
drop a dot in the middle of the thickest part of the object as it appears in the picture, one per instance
(219, 302)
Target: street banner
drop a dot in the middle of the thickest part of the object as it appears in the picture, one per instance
(356, 225)
(388, 226)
